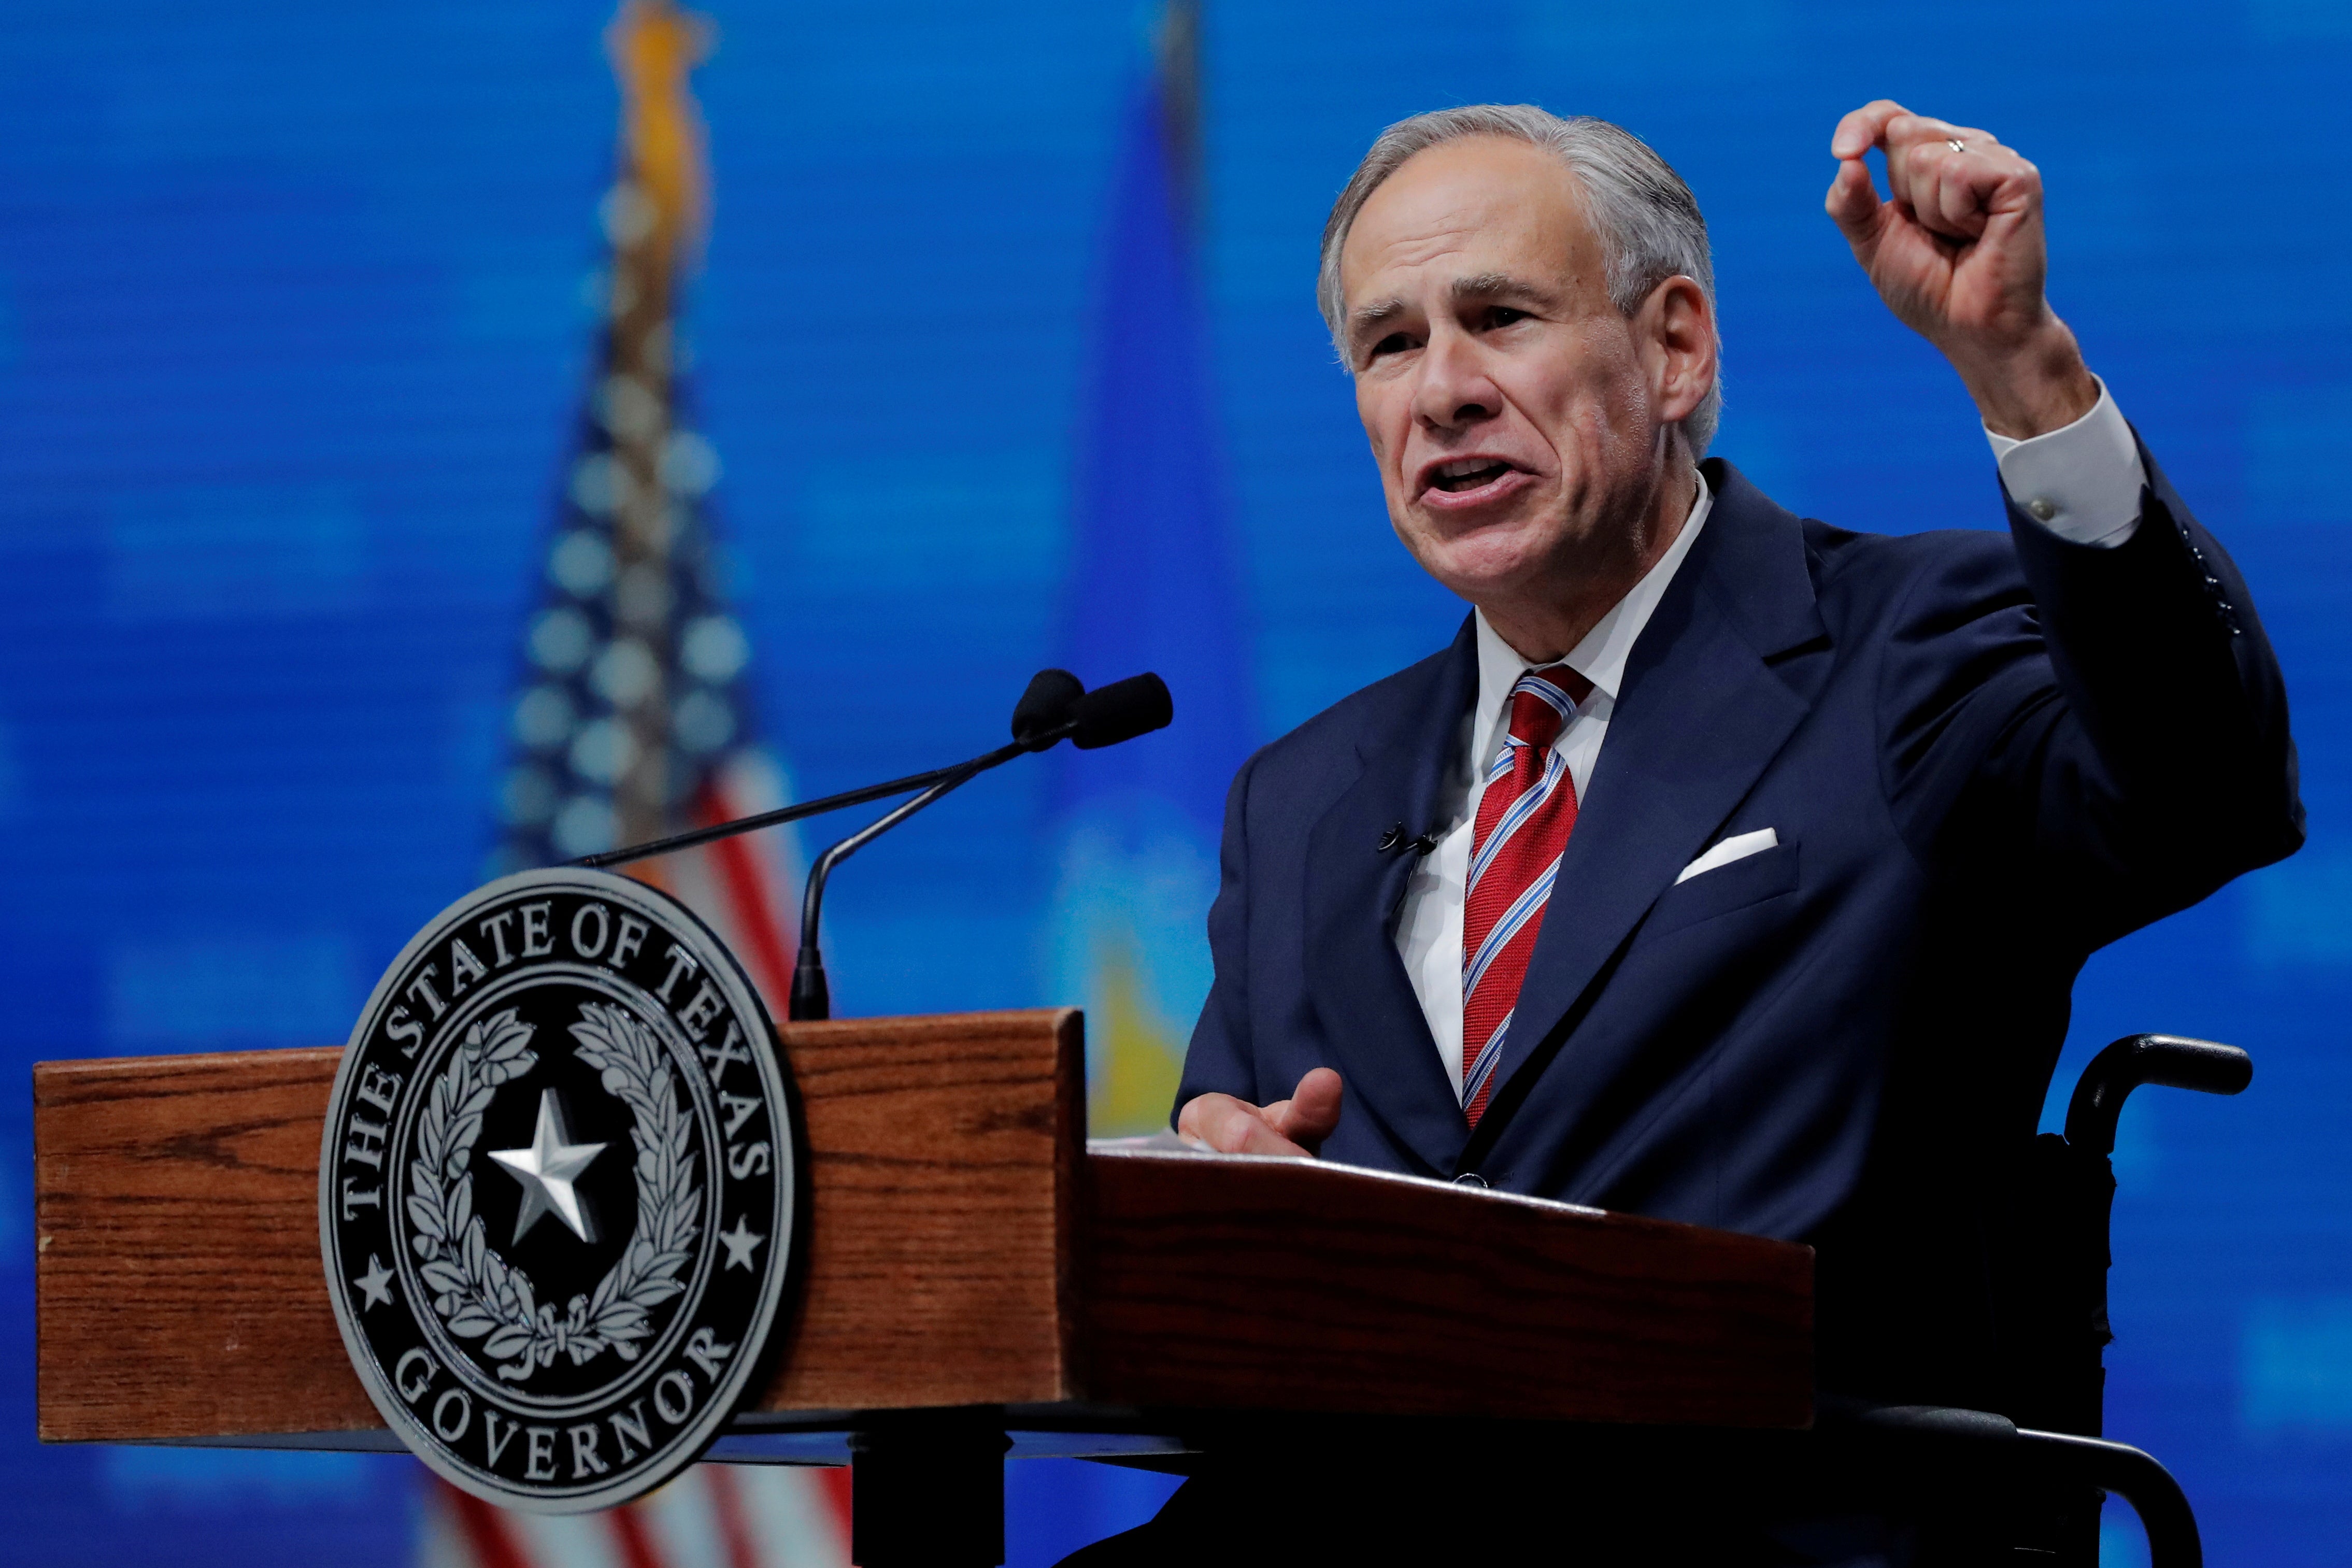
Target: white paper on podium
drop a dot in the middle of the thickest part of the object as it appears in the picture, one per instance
(1163, 1141)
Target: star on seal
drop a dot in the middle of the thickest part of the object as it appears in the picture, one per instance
(377, 1282)
(740, 1244)
(547, 1168)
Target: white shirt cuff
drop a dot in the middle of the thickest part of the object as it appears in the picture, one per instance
(2081, 483)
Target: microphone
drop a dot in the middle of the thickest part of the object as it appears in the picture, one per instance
(1395, 839)
(1055, 707)
(1041, 719)
(1119, 711)
(1046, 704)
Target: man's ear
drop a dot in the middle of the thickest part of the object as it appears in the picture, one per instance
(1675, 332)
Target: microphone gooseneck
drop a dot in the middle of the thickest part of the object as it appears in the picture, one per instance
(812, 997)
(1055, 707)
(782, 814)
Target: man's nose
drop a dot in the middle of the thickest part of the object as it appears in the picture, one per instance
(1454, 389)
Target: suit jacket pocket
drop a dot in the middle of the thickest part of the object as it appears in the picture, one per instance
(1750, 879)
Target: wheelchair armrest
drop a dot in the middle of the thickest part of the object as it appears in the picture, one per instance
(2135, 1476)
(2167, 1059)
(2129, 1473)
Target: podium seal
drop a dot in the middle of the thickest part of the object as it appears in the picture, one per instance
(560, 1194)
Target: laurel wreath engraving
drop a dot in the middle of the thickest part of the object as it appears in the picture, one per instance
(477, 1292)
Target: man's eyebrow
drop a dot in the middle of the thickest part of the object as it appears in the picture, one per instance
(1498, 286)
(1378, 314)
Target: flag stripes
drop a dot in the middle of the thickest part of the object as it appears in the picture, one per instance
(714, 1516)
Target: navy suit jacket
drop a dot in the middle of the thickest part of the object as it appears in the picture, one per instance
(1984, 757)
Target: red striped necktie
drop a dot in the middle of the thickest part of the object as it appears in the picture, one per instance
(1524, 821)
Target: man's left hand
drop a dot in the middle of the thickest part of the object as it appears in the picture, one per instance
(1958, 253)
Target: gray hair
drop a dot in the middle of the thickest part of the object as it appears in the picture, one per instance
(1646, 218)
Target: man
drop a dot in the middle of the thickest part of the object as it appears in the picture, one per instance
(1729, 867)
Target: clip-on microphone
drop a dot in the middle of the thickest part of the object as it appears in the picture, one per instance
(1394, 839)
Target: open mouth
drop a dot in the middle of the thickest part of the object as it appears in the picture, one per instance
(1469, 474)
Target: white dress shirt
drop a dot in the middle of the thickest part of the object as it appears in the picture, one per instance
(2082, 482)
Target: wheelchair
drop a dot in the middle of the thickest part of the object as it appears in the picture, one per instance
(2043, 1464)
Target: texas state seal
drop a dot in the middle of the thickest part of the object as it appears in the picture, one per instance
(560, 1190)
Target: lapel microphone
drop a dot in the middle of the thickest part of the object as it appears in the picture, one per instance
(1394, 839)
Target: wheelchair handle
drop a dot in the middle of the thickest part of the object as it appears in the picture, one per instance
(2170, 1061)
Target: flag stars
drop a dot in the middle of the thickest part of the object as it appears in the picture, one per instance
(602, 751)
(376, 1284)
(599, 484)
(545, 717)
(626, 672)
(561, 639)
(582, 564)
(702, 723)
(739, 1242)
(714, 649)
(582, 827)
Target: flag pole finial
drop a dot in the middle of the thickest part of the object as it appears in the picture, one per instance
(655, 45)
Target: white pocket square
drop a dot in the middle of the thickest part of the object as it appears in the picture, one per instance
(1739, 847)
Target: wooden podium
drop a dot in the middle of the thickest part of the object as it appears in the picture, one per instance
(972, 1269)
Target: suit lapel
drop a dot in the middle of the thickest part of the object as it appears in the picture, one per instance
(1371, 1016)
(1701, 714)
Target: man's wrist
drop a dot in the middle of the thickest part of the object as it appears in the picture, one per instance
(2039, 387)
(2083, 482)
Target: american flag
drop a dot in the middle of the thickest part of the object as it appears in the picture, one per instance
(633, 714)
(633, 717)
(714, 1516)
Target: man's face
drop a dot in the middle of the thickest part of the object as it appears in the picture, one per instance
(1508, 403)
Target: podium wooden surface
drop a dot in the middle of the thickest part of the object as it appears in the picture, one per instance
(965, 1248)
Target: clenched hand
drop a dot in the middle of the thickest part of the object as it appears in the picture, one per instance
(1956, 251)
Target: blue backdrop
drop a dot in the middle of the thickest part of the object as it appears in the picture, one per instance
(292, 334)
